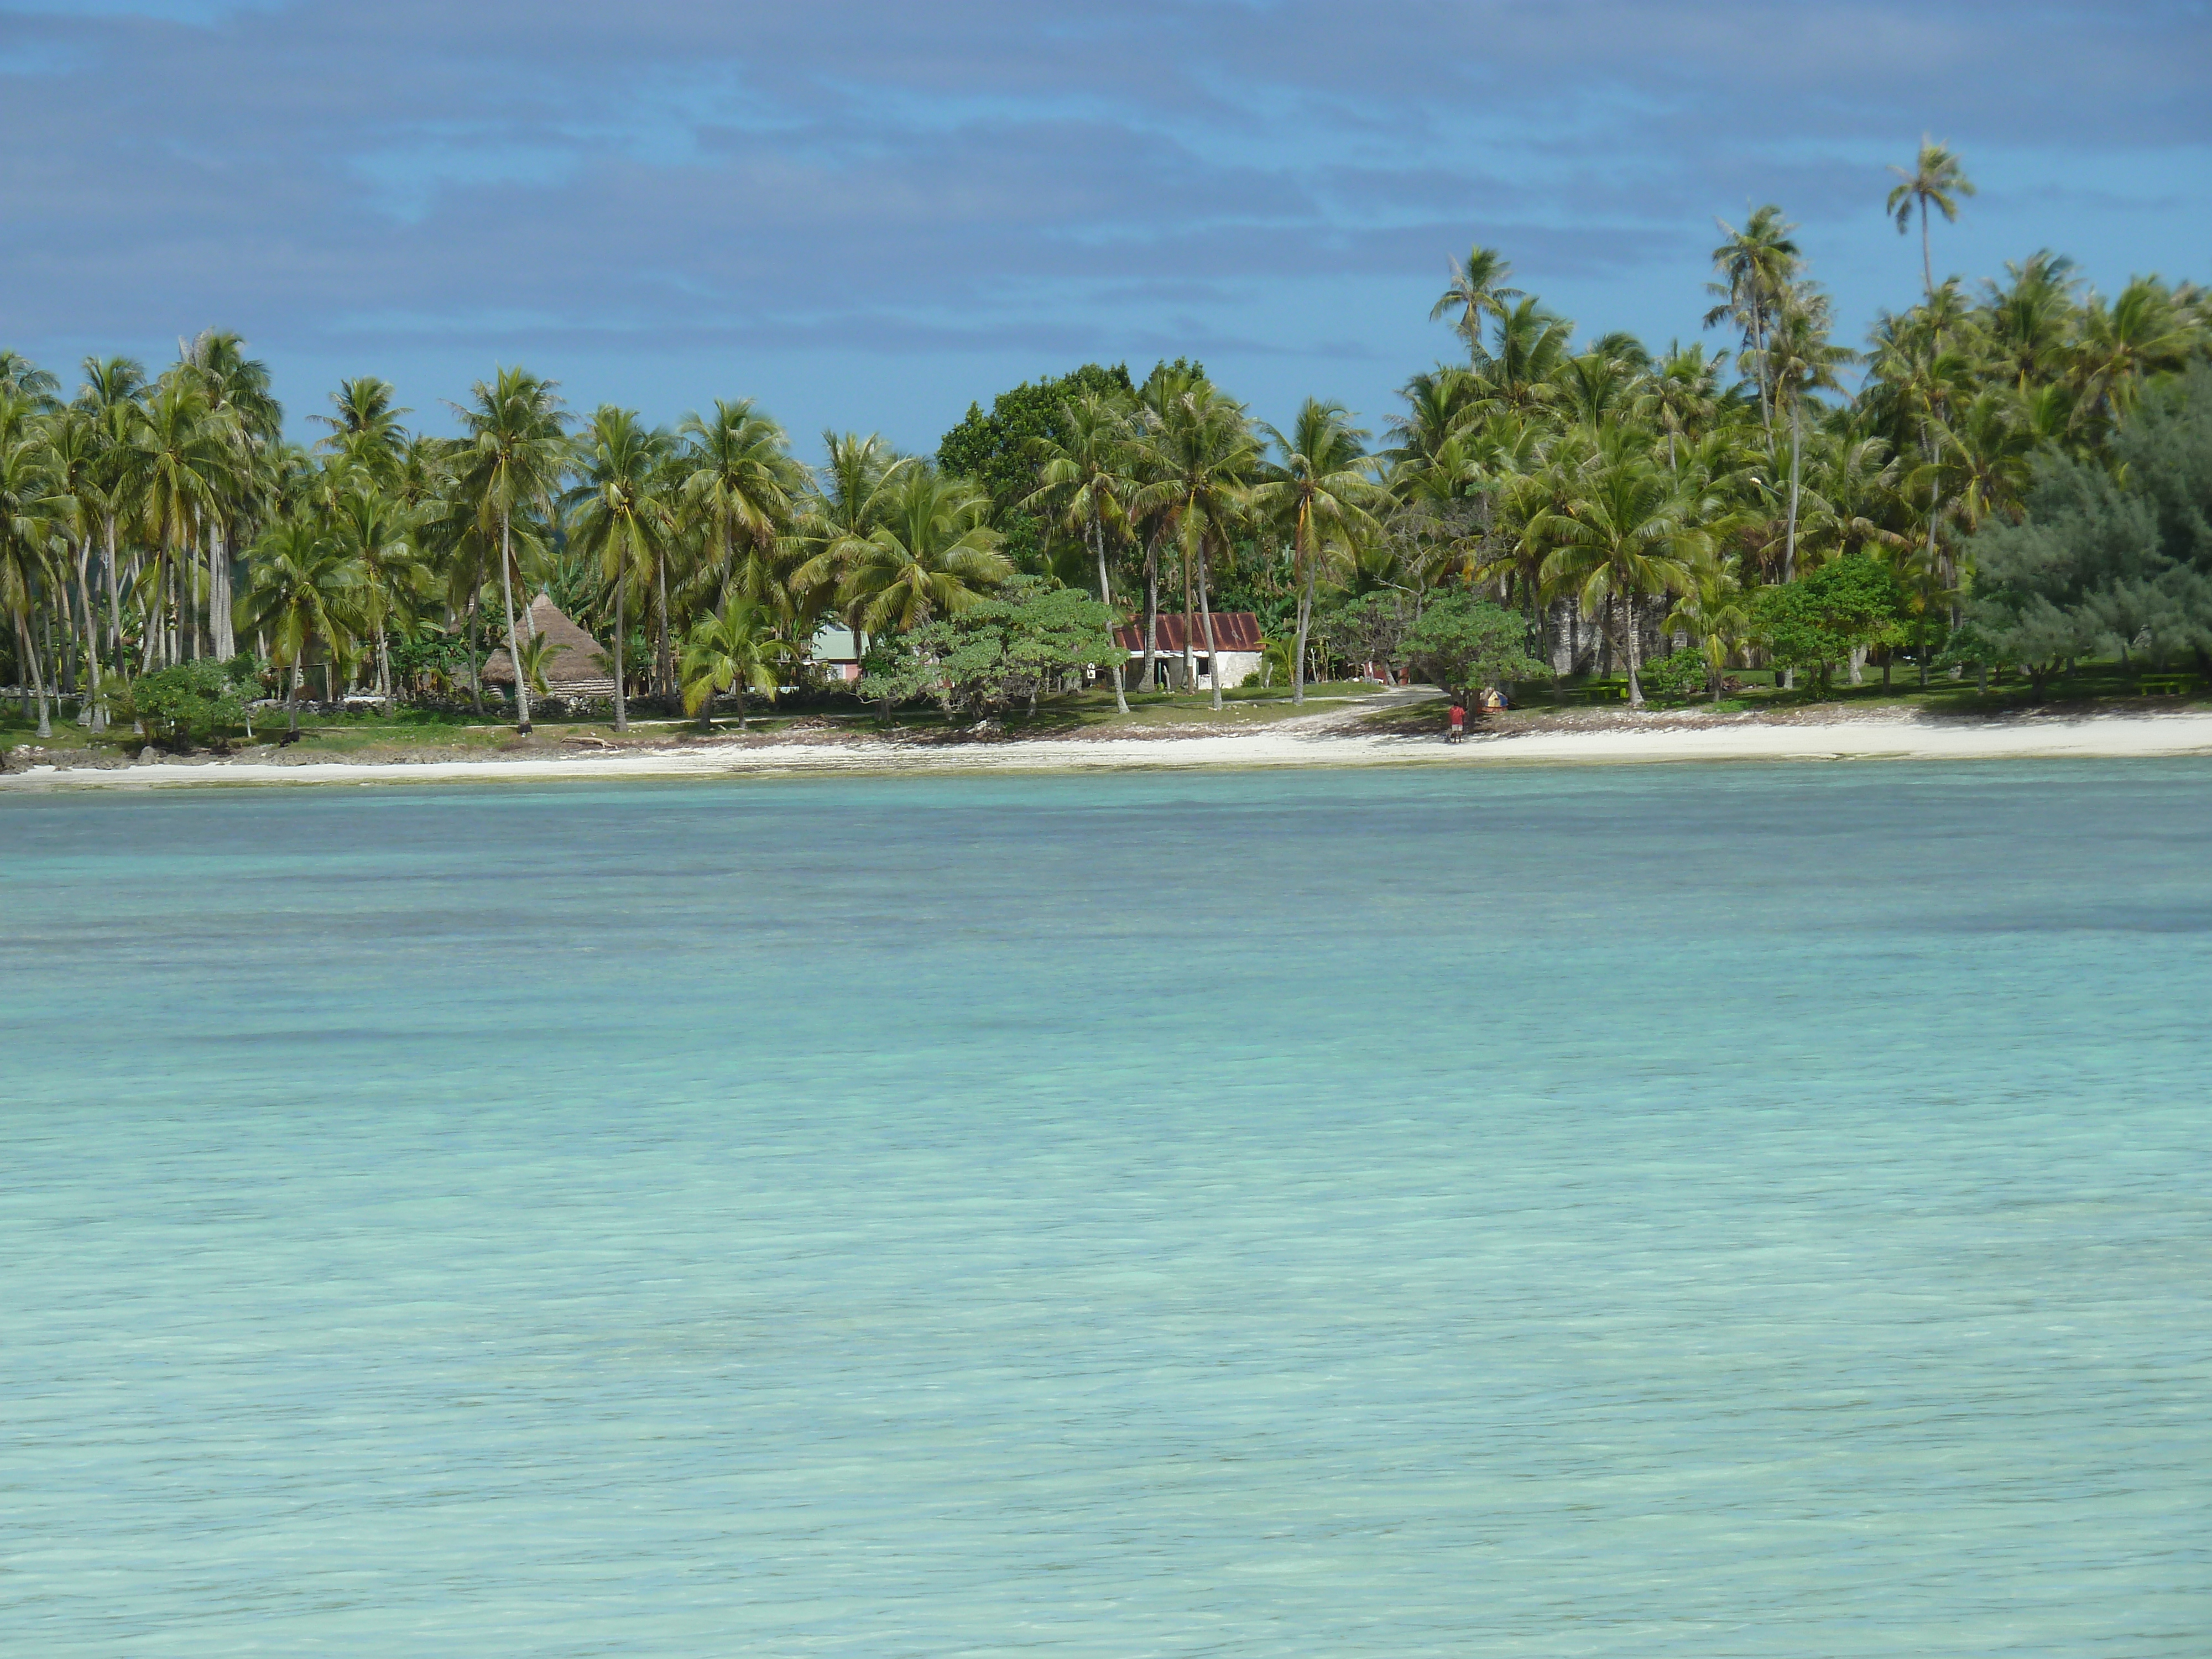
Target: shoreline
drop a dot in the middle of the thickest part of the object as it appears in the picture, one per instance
(2097, 737)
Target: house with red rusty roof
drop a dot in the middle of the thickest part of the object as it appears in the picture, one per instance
(1237, 638)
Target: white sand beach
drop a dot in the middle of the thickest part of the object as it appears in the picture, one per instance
(1623, 740)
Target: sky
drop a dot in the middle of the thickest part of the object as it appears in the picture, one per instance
(866, 215)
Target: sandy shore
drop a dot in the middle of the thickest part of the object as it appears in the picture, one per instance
(1661, 738)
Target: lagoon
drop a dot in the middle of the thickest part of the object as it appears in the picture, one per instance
(1709, 1210)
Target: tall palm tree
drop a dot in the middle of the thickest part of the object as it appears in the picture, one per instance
(33, 514)
(851, 493)
(1477, 289)
(110, 397)
(376, 537)
(738, 650)
(511, 461)
(1935, 181)
(1757, 265)
(366, 433)
(1200, 452)
(1085, 479)
(932, 553)
(740, 485)
(621, 515)
(1622, 539)
(250, 421)
(1801, 360)
(1321, 492)
(301, 588)
(182, 457)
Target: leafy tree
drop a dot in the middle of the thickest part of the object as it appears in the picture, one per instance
(1463, 643)
(2107, 558)
(1086, 479)
(998, 450)
(1005, 650)
(1678, 673)
(302, 589)
(1818, 621)
(192, 699)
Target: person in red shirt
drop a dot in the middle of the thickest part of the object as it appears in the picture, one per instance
(1458, 720)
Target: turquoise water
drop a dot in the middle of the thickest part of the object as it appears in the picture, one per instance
(1758, 1212)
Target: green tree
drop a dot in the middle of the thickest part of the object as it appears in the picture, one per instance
(620, 514)
(510, 461)
(1848, 604)
(1621, 537)
(1321, 497)
(1935, 181)
(1463, 644)
(932, 554)
(33, 515)
(1200, 453)
(998, 450)
(738, 649)
(1084, 479)
(1477, 290)
(1011, 648)
(300, 588)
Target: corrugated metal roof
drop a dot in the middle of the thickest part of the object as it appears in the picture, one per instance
(1233, 630)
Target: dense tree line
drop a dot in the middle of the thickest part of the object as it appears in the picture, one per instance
(2020, 476)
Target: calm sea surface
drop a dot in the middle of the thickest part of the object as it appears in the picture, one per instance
(1759, 1212)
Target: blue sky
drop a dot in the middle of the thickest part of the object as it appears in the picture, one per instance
(866, 213)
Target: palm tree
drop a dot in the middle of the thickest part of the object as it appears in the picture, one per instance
(1085, 479)
(1757, 265)
(621, 515)
(33, 514)
(109, 397)
(1936, 181)
(1621, 538)
(1476, 290)
(250, 421)
(739, 481)
(300, 588)
(1801, 361)
(738, 650)
(364, 435)
(181, 460)
(376, 537)
(1711, 610)
(851, 493)
(932, 553)
(1200, 453)
(511, 461)
(1319, 492)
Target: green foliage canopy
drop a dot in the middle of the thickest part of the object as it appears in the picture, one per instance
(995, 449)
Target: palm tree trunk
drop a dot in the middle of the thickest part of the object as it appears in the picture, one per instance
(1189, 657)
(621, 702)
(99, 722)
(27, 645)
(1151, 611)
(1305, 624)
(476, 665)
(1106, 598)
(292, 691)
(1927, 269)
(1631, 653)
(114, 601)
(665, 667)
(1790, 540)
(1205, 611)
(513, 648)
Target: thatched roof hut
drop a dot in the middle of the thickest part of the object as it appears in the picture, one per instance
(576, 666)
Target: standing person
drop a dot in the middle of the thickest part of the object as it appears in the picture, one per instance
(1458, 719)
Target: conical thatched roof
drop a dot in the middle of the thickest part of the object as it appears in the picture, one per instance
(573, 668)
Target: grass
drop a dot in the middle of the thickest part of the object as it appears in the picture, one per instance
(365, 735)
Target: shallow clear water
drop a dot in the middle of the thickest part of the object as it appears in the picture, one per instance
(1761, 1211)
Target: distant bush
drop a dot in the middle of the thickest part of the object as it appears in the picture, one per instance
(1683, 674)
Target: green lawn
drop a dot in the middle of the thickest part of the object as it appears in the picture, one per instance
(366, 735)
